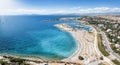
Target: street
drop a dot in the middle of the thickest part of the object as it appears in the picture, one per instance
(107, 46)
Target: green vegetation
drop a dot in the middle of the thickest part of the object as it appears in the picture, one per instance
(101, 46)
(116, 62)
(115, 49)
(14, 60)
(104, 25)
(101, 64)
(101, 58)
(17, 60)
(4, 62)
(81, 58)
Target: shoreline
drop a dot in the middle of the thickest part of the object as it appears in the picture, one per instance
(77, 42)
(86, 45)
(32, 61)
(29, 57)
(22, 57)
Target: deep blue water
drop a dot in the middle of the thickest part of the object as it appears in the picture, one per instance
(30, 36)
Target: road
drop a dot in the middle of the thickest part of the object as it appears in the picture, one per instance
(107, 46)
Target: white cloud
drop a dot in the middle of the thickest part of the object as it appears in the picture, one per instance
(90, 10)
(20, 11)
(66, 11)
(10, 7)
(61, 11)
(99, 10)
(115, 9)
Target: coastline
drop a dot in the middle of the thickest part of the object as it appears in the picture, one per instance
(78, 45)
(86, 45)
(76, 53)
(22, 57)
(32, 61)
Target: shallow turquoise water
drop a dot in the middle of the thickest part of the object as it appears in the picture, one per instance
(30, 36)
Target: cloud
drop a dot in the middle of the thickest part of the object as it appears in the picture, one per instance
(20, 11)
(99, 10)
(11, 7)
(115, 9)
(89, 10)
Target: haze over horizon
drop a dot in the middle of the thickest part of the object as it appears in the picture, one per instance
(13, 7)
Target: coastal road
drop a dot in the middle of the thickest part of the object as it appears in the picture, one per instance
(107, 46)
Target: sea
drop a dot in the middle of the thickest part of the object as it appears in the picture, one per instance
(31, 36)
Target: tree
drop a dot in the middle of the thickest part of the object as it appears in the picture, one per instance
(81, 58)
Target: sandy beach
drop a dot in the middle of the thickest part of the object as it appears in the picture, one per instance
(87, 45)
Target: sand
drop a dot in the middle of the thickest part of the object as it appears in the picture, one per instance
(87, 45)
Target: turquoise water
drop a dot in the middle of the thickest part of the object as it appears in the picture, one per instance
(30, 36)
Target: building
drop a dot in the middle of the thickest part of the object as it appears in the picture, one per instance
(109, 30)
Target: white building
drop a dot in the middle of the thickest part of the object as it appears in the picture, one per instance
(109, 30)
(117, 46)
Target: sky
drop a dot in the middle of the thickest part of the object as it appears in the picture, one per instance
(14, 7)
